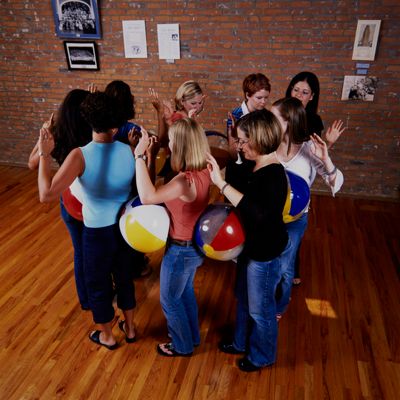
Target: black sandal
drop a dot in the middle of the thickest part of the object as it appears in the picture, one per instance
(121, 325)
(170, 351)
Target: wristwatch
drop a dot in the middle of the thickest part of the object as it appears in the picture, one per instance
(142, 156)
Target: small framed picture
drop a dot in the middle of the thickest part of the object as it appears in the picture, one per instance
(76, 19)
(366, 39)
(356, 87)
(81, 55)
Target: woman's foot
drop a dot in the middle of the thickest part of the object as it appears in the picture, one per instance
(130, 336)
(98, 338)
(167, 350)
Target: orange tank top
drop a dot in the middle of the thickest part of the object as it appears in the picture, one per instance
(184, 215)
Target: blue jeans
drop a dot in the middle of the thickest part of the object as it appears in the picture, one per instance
(295, 231)
(178, 300)
(107, 258)
(75, 228)
(256, 328)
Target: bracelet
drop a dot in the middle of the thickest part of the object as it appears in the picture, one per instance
(332, 172)
(41, 154)
(224, 187)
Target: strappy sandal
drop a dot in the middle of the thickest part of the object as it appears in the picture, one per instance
(121, 325)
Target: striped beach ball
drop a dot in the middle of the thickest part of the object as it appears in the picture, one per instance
(298, 197)
(219, 233)
(144, 227)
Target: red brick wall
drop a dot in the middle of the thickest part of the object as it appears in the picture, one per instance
(221, 42)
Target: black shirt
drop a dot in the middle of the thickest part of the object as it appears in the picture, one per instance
(261, 211)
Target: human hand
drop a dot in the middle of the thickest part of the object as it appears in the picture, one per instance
(319, 148)
(333, 133)
(92, 88)
(155, 100)
(214, 170)
(46, 141)
(153, 148)
(192, 113)
(133, 136)
(231, 121)
(49, 124)
(168, 111)
(143, 143)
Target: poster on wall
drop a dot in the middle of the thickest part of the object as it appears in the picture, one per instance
(168, 42)
(135, 43)
(356, 87)
(81, 55)
(76, 19)
(366, 39)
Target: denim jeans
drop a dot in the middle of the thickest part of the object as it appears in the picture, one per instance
(178, 300)
(75, 228)
(256, 328)
(295, 231)
(108, 257)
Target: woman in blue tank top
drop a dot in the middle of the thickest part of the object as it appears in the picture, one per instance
(105, 169)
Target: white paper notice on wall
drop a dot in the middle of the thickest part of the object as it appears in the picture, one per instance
(168, 41)
(134, 39)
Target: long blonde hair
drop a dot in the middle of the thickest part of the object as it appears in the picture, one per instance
(189, 145)
(186, 91)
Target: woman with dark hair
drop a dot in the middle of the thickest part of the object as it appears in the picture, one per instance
(258, 267)
(105, 169)
(305, 155)
(69, 130)
(305, 87)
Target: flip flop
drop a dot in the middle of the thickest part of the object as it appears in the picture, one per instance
(170, 351)
(121, 325)
(95, 337)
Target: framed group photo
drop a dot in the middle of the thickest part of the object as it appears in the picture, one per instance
(81, 55)
(76, 19)
(366, 39)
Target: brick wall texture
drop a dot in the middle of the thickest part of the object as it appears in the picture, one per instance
(221, 43)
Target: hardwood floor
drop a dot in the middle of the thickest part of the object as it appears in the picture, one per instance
(340, 338)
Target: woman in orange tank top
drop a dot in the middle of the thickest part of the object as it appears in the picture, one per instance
(185, 196)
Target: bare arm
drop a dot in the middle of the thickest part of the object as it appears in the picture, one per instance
(233, 195)
(72, 167)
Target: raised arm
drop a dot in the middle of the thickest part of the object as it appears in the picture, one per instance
(148, 193)
(73, 166)
(334, 132)
(162, 125)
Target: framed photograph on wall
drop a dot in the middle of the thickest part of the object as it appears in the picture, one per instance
(81, 55)
(76, 19)
(366, 39)
(356, 87)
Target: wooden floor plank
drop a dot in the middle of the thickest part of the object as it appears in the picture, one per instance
(340, 338)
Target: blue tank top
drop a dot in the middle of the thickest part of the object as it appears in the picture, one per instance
(106, 182)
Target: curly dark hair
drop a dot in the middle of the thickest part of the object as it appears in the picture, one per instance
(70, 129)
(121, 92)
(102, 112)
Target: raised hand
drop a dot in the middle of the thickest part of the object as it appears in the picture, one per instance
(143, 143)
(319, 148)
(214, 170)
(92, 88)
(333, 132)
(46, 141)
(155, 100)
(133, 137)
(49, 124)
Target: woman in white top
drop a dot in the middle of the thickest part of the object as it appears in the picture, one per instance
(306, 156)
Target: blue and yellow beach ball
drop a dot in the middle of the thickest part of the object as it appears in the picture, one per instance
(298, 197)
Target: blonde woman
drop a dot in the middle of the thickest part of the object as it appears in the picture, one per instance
(185, 196)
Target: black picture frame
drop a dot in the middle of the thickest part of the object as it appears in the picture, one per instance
(76, 19)
(81, 55)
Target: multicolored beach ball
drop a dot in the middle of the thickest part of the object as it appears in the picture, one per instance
(144, 227)
(219, 233)
(72, 200)
(297, 199)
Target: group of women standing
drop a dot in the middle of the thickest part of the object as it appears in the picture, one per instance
(268, 141)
